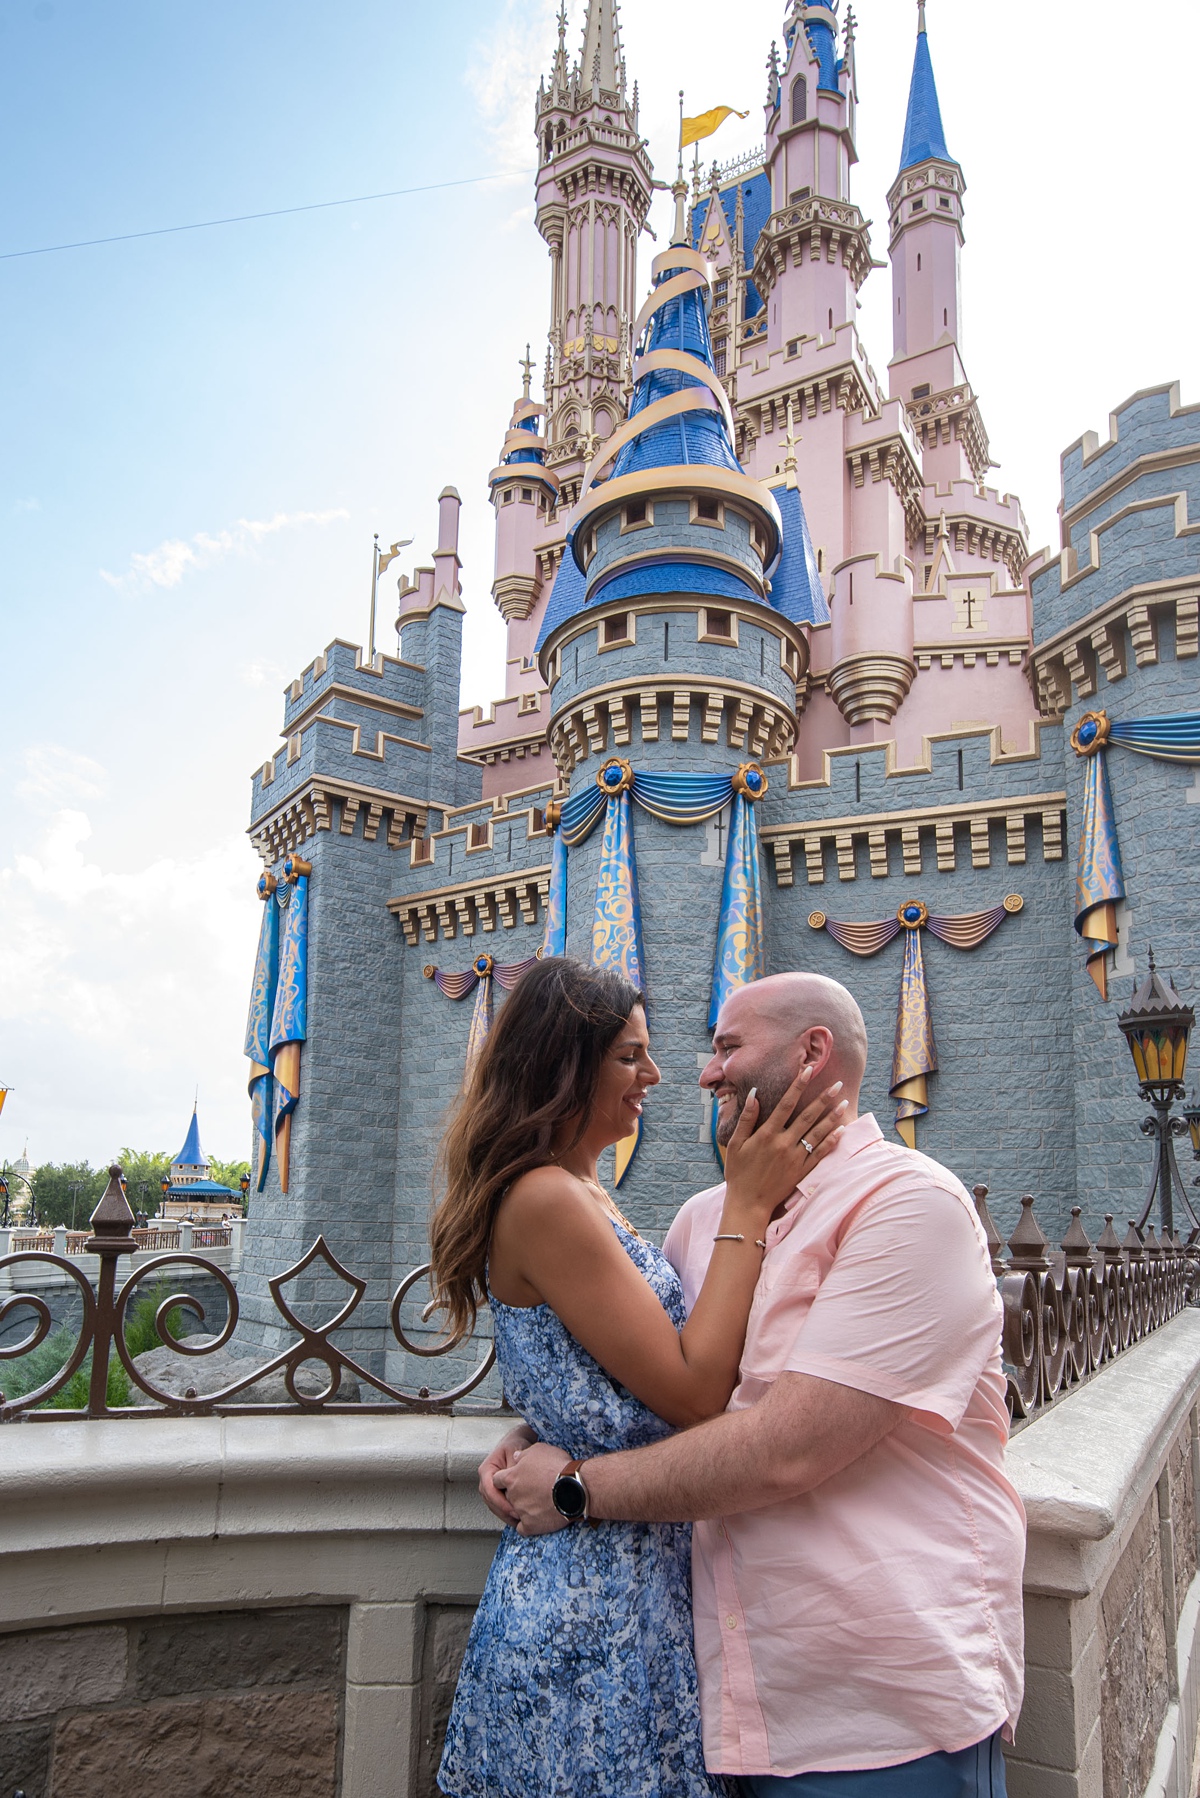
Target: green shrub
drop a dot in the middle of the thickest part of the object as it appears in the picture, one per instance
(42, 1363)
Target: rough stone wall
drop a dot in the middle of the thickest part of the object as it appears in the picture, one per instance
(1183, 1518)
(447, 1627)
(223, 1705)
(1134, 1686)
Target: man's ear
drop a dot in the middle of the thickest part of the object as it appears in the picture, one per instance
(816, 1048)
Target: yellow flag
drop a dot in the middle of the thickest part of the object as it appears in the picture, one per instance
(389, 555)
(705, 123)
(3, 1096)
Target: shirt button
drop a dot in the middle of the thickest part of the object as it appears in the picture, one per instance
(732, 1622)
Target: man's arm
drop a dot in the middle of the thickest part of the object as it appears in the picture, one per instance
(801, 1433)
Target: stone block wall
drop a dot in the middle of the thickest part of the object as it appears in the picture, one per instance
(228, 1704)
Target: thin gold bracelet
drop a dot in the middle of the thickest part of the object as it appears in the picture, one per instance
(730, 1236)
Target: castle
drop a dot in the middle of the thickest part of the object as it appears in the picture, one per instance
(764, 615)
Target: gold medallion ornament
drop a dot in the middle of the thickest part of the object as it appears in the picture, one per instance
(1013, 902)
(1091, 733)
(615, 777)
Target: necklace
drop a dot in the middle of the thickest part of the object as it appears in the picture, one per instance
(595, 1185)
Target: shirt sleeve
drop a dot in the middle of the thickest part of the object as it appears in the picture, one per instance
(687, 1246)
(909, 1309)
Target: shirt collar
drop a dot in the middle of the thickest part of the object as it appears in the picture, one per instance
(856, 1137)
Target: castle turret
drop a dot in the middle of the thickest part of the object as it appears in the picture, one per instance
(925, 206)
(593, 194)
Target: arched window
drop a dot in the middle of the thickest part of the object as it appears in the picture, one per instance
(549, 143)
(799, 100)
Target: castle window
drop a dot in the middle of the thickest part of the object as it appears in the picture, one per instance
(793, 348)
(527, 493)
(945, 315)
(918, 205)
(549, 143)
(831, 318)
(616, 631)
(789, 657)
(922, 392)
(479, 836)
(717, 626)
(759, 541)
(799, 100)
(918, 261)
(589, 546)
(708, 511)
(528, 702)
(508, 497)
(800, 193)
(421, 850)
(945, 205)
(537, 821)
(637, 513)
(721, 290)
(719, 360)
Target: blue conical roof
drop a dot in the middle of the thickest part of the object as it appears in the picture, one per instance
(191, 1154)
(923, 134)
(682, 324)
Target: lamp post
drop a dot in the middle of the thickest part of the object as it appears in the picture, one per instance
(1156, 1027)
(74, 1188)
(165, 1187)
(244, 1183)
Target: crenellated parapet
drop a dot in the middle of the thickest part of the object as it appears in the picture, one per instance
(1124, 592)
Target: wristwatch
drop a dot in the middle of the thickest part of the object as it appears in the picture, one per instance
(570, 1494)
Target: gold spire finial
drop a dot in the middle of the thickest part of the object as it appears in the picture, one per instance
(791, 440)
(920, 17)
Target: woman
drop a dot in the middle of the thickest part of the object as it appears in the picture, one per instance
(579, 1679)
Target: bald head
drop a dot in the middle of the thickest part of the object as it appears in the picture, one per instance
(767, 1031)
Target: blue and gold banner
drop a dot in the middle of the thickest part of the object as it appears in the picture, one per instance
(289, 1020)
(258, 1027)
(740, 956)
(556, 902)
(914, 1056)
(617, 923)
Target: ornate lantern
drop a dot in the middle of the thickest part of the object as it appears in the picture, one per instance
(1156, 1027)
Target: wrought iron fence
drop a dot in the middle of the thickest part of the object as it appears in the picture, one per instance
(102, 1335)
(1067, 1312)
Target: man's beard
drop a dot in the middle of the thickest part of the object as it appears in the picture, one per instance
(772, 1083)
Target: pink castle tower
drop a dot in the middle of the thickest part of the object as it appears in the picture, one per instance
(921, 623)
(594, 185)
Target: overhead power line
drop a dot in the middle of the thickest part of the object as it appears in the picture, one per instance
(245, 218)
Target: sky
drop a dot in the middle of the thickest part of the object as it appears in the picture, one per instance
(202, 430)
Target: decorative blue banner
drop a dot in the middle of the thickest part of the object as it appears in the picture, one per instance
(740, 956)
(258, 1026)
(289, 1021)
(677, 799)
(1100, 882)
(617, 924)
(478, 979)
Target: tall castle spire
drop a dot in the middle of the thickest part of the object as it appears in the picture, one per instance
(925, 210)
(593, 194)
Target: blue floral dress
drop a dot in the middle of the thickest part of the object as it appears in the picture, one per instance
(579, 1679)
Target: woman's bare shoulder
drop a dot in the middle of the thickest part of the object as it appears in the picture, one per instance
(550, 1196)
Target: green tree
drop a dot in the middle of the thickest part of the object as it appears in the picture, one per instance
(228, 1173)
(144, 1168)
(67, 1192)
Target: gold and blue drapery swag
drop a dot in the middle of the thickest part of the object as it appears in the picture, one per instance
(478, 979)
(289, 1019)
(617, 921)
(1099, 881)
(914, 1056)
(258, 1026)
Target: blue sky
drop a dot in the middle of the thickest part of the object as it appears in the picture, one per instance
(202, 431)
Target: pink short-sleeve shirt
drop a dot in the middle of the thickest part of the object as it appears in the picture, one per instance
(878, 1617)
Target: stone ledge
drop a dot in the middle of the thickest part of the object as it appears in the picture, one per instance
(215, 1477)
(1083, 1469)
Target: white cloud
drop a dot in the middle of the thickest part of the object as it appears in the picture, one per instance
(171, 560)
(507, 60)
(54, 775)
(120, 988)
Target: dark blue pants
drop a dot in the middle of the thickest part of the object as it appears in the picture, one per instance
(976, 1772)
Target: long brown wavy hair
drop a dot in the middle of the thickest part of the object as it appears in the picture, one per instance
(537, 1072)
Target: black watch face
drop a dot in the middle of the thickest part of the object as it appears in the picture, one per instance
(570, 1499)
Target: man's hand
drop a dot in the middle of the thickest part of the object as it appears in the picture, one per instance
(503, 1456)
(527, 1484)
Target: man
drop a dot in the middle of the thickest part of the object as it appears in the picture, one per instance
(858, 1551)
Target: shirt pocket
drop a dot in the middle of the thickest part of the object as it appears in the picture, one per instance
(786, 1289)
